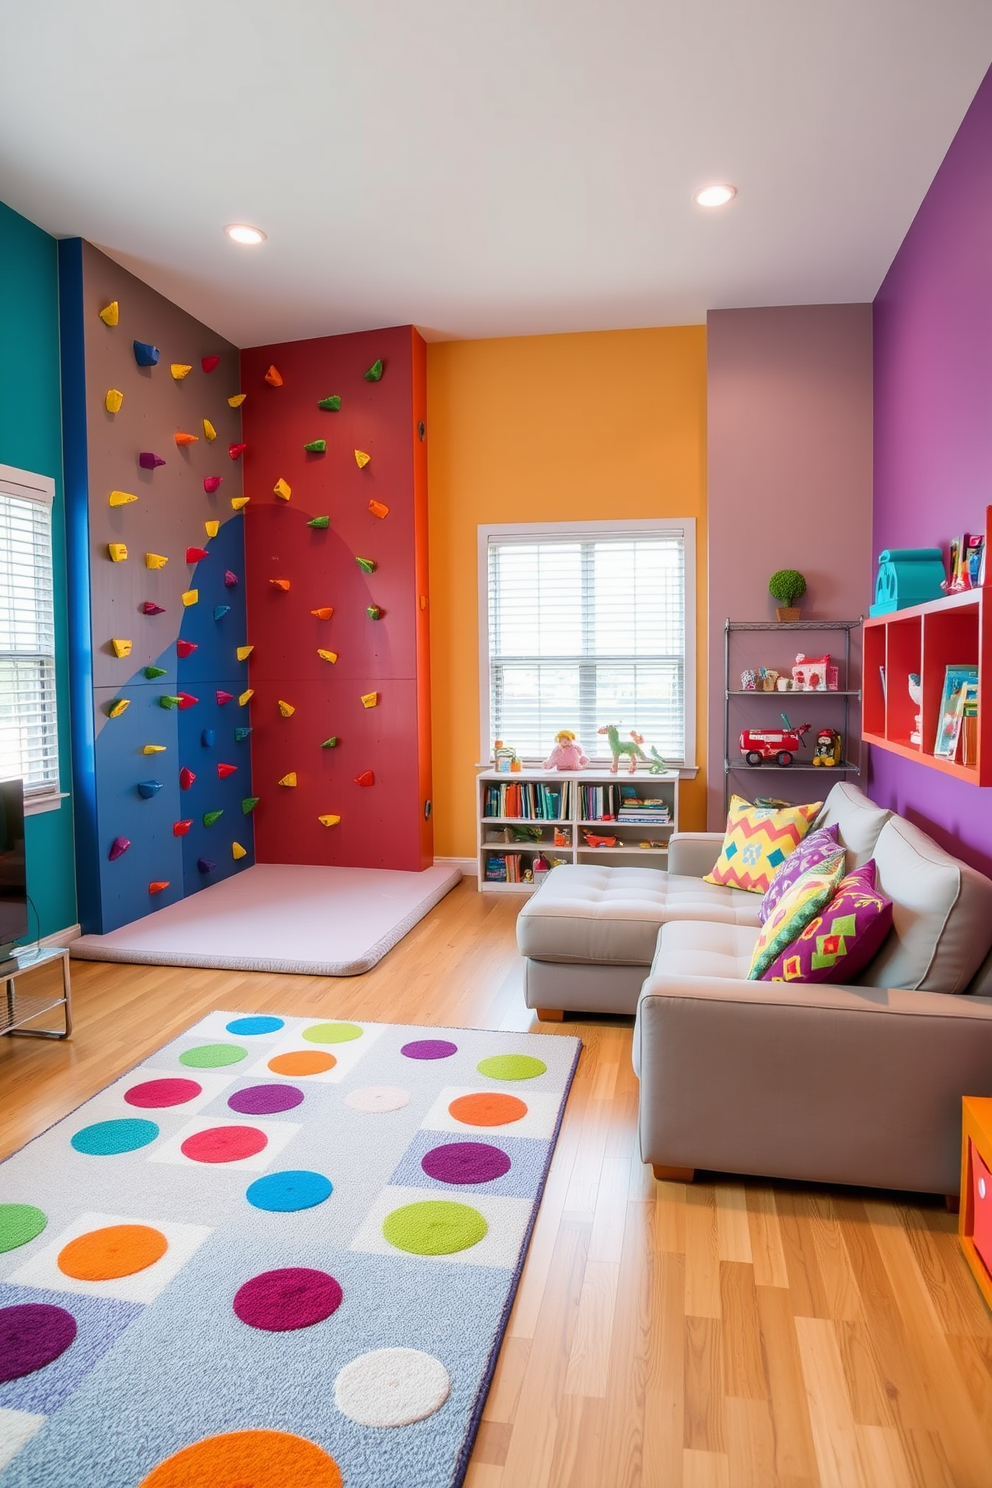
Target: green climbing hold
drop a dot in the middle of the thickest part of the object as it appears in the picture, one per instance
(367, 565)
(373, 612)
(374, 374)
(320, 522)
(209, 817)
(316, 447)
(249, 803)
(152, 672)
(331, 743)
(168, 701)
(331, 404)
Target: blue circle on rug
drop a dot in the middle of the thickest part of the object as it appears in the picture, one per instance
(281, 1193)
(465, 1162)
(255, 1025)
(265, 1100)
(108, 1138)
(429, 1049)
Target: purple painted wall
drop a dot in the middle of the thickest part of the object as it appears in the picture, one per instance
(789, 436)
(933, 426)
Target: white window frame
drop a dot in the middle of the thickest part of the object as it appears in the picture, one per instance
(29, 486)
(549, 531)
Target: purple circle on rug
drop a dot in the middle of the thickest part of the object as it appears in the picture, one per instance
(32, 1334)
(465, 1162)
(265, 1100)
(296, 1297)
(429, 1049)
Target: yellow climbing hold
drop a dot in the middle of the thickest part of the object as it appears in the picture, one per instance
(244, 652)
(212, 528)
(117, 551)
(282, 490)
(237, 851)
(121, 706)
(111, 314)
(370, 699)
(378, 509)
(289, 779)
(237, 502)
(361, 459)
(248, 693)
(112, 402)
(328, 821)
(153, 749)
(330, 656)
(190, 597)
(155, 560)
(180, 370)
(121, 648)
(209, 431)
(121, 498)
(237, 400)
(286, 709)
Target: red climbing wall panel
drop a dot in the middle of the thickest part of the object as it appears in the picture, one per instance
(387, 824)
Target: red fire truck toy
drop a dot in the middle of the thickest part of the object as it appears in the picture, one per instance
(780, 745)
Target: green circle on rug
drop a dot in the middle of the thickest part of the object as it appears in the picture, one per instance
(512, 1067)
(333, 1033)
(212, 1056)
(19, 1223)
(434, 1227)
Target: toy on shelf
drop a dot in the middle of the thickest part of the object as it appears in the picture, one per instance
(561, 838)
(567, 753)
(915, 684)
(504, 757)
(632, 748)
(758, 745)
(787, 585)
(749, 680)
(594, 840)
(906, 577)
(827, 749)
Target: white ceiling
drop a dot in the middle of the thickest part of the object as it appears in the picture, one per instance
(484, 169)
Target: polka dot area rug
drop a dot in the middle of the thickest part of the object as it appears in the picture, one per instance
(266, 1203)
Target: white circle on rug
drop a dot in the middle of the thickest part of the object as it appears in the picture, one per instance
(391, 1387)
(378, 1098)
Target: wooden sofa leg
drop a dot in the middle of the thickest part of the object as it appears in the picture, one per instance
(673, 1175)
(550, 1015)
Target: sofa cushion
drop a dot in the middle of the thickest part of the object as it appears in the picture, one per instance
(941, 914)
(757, 842)
(839, 942)
(691, 949)
(611, 915)
(816, 847)
(857, 819)
(809, 894)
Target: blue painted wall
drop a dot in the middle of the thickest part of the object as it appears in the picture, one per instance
(31, 439)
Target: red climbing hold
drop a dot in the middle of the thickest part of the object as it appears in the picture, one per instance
(209, 363)
(180, 828)
(223, 697)
(194, 555)
(186, 648)
(186, 778)
(186, 700)
(234, 450)
(224, 770)
(366, 778)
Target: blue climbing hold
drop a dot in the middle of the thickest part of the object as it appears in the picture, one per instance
(205, 865)
(220, 611)
(149, 788)
(208, 738)
(241, 734)
(144, 354)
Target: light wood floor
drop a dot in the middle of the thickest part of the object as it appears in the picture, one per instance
(732, 1334)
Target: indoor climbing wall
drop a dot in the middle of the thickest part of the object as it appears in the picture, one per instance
(161, 716)
(336, 543)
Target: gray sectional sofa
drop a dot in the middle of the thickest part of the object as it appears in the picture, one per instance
(853, 1084)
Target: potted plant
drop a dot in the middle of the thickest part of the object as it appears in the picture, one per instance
(786, 586)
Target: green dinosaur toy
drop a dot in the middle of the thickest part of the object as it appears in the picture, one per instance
(658, 766)
(632, 748)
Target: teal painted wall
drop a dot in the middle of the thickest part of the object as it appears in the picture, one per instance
(31, 439)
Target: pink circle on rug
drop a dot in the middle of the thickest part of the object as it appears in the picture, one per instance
(465, 1162)
(265, 1100)
(154, 1094)
(429, 1049)
(221, 1144)
(32, 1334)
(296, 1297)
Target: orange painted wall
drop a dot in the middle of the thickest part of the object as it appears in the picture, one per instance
(600, 425)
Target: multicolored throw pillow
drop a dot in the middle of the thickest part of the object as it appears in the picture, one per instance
(842, 939)
(814, 849)
(757, 842)
(796, 908)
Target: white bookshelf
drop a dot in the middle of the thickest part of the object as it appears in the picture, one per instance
(576, 821)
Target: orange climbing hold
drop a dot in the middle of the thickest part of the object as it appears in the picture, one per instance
(274, 377)
(378, 509)
(324, 613)
(282, 584)
(158, 885)
(182, 438)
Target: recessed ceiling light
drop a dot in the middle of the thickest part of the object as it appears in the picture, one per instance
(240, 232)
(715, 196)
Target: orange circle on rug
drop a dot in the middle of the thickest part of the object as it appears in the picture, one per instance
(261, 1459)
(488, 1108)
(302, 1062)
(118, 1250)
(221, 1144)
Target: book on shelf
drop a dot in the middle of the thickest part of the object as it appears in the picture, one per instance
(496, 868)
(951, 714)
(527, 799)
(969, 723)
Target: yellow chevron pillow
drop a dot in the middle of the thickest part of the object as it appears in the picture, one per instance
(758, 841)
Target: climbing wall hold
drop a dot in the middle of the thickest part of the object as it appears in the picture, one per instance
(186, 648)
(331, 743)
(220, 611)
(223, 697)
(246, 696)
(331, 404)
(211, 528)
(243, 652)
(328, 821)
(237, 851)
(121, 498)
(324, 613)
(248, 804)
(378, 509)
(230, 579)
(190, 597)
(149, 461)
(238, 503)
(118, 848)
(370, 699)
(118, 552)
(208, 363)
(224, 770)
(367, 565)
(149, 788)
(145, 354)
(211, 483)
(282, 489)
(205, 865)
(182, 438)
(316, 447)
(151, 672)
(168, 700)
(209, 817)
(373, 612)
(321, 523)
(117, 708)
(237, 400)
(180, 828)
(111, 314)
(330, 656)
(361, 459)
(157, 885)
(367, 777)
(281, 584)
(186, 778)
(153, 749)
(187, 700)
(180, 370)
(234, 450)
(241, 734)
(374, 374)
(208, 738)
(209, 432)
(274, 377)
(289, 779)
(193, 555)
(151, 608)
(112, 402)
(155, 560)
(286, 709)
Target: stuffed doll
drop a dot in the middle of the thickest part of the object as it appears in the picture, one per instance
(567, 753)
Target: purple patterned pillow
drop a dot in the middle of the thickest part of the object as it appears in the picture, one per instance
(811, 852)
(839, 942)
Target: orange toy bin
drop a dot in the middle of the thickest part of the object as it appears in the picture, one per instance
(975, 1213)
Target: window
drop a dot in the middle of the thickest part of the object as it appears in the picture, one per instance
(28, 718)
(586, 624)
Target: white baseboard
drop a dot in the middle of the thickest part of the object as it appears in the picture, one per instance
(469, 866)
(62, 937)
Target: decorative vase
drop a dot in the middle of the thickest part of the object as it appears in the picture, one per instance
(788, 616)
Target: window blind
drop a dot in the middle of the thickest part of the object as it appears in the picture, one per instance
(587, 632)
(28, 717)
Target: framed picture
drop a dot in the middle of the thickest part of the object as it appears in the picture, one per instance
(951, 715)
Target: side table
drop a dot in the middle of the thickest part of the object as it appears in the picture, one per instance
(31, 992)
(975, 1213)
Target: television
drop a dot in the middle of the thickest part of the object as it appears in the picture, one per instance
(13, 875)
